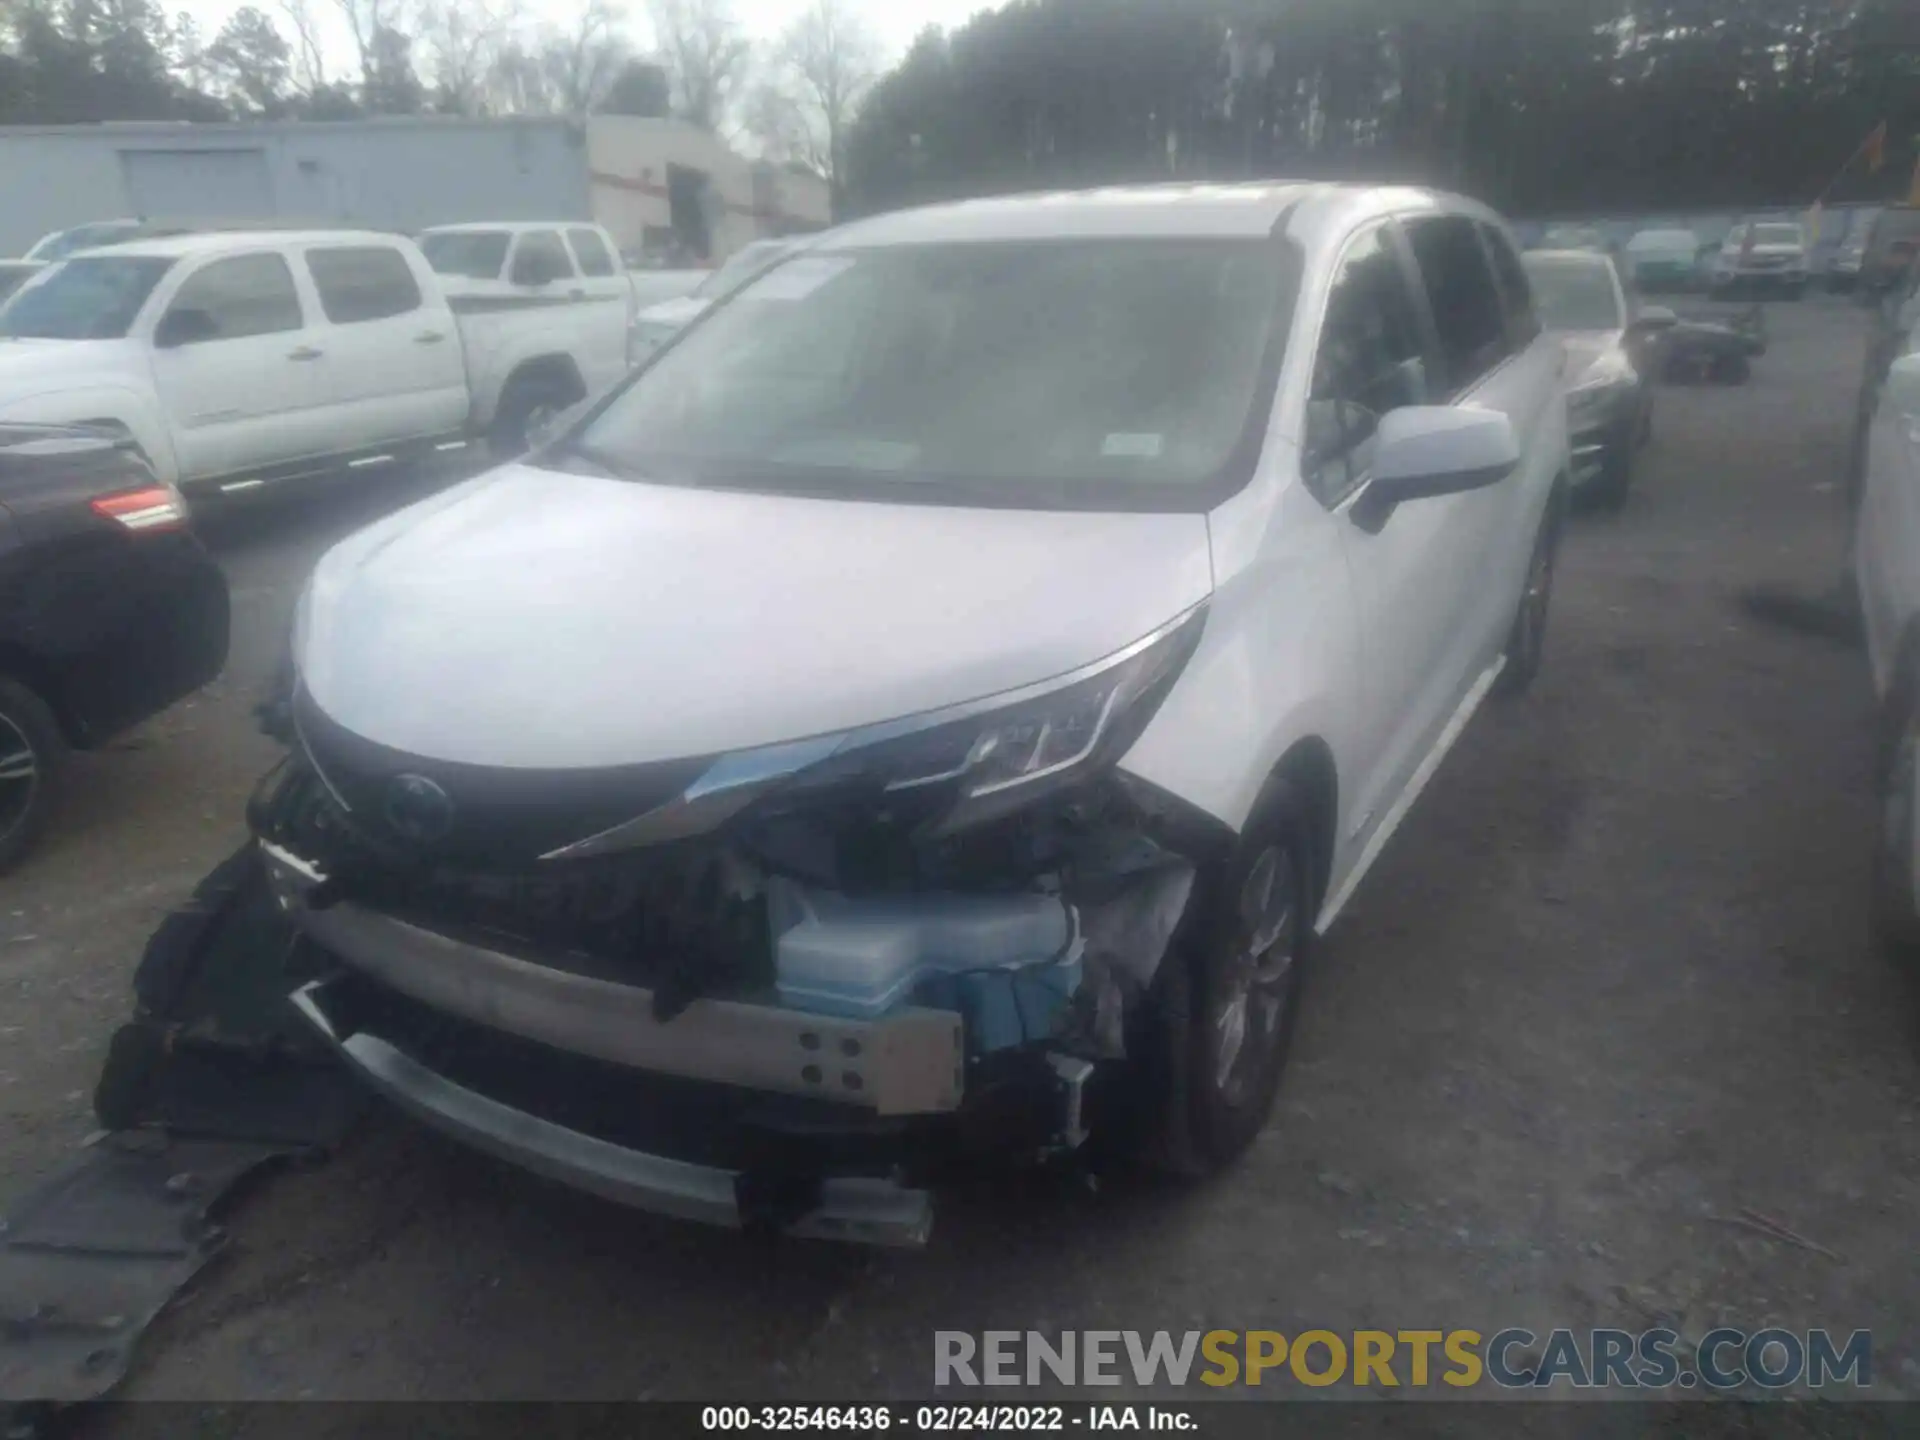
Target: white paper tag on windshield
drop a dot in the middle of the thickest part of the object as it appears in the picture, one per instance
(1124, 446)
(798, 279)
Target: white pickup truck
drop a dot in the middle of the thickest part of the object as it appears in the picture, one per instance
(543, 262)
(234, 360)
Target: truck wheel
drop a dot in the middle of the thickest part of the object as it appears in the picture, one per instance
(530, 401)
(1230, 995)
(32, 755)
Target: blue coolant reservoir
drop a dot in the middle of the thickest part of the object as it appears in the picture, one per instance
(1008, 963)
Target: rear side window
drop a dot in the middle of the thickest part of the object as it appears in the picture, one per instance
(538, 258)
(591, 251)
(244, 295)
(1372, 359)
(1516, 293)
(363, 282)
(1466, 307)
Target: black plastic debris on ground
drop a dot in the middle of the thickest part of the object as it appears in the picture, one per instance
(214, 1078)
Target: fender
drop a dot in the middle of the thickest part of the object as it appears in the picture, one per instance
(500, 342)
(1277, 663)
(137, 412)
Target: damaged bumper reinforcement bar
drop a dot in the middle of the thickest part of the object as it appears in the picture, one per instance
(908, 1062)
(870, 1210)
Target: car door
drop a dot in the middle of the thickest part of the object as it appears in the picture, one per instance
(1529, 387)
(1414, 576)
(603, 288)
(1488, 358)
(1887, 539)
(395, 370)
(239, 362)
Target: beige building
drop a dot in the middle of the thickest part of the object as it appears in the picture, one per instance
(663, 185)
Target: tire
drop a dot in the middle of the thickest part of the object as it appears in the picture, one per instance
(1732, 369)
(30, 742)
(528, 400)
(1526, 640)
(1212, 1078)
(1895, 907)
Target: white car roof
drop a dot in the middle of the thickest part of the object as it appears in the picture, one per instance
(218, 242)
(515, 227)
(1246, 210)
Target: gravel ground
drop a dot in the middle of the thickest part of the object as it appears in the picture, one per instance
(1610, 985)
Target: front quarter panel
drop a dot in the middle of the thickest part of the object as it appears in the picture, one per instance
(1277, 662)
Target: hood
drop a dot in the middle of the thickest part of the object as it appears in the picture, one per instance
(681, 310)
(1586, 347)
(536, 619)
(32, 367)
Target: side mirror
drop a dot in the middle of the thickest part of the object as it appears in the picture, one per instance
(1654, 318)
(1425, 450)
(185, 326)
(1903, 384)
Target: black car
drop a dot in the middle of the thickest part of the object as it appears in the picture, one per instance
(110, 610)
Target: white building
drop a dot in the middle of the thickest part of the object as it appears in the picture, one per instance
(645, 180)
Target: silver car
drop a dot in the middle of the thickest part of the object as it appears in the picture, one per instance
(1609, 387)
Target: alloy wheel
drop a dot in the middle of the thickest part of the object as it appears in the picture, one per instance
(19, 775)
(1256, 976)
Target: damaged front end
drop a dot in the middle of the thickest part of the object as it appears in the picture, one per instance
(784, 989)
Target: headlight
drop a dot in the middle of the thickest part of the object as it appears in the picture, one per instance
(963, 772)
(1599, 387)
(939, 772)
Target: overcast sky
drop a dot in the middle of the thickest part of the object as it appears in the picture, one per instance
(895, 22)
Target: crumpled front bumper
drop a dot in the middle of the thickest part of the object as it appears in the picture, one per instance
(908, 1064)
(876, 1210)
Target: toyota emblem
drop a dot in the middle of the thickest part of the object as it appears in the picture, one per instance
(417, 809)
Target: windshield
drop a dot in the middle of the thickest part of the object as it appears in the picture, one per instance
(1776, 234)
(82, 237)
(737, 271)
(92, 298)
(475, 254)
(1018, 372)
(1574, 296)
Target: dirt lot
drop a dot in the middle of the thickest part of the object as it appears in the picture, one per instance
(1610, 985)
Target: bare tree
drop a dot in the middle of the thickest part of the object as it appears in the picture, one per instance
(463, 41)
(366, 19)
(562, 70)
(705, 55)
(309, 59)
(823, 67)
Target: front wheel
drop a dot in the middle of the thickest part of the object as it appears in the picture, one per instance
(1230, 996)
(32, 752)
(528, 406)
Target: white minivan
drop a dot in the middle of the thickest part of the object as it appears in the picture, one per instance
(933, 704)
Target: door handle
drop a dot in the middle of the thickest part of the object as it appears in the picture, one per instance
(429, 337)
(305, 352)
